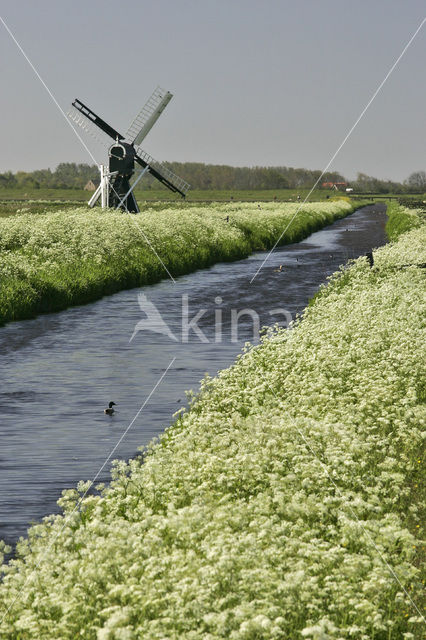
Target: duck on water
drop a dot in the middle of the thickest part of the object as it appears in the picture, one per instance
(110, 411)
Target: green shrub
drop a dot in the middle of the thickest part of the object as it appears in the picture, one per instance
(400, 220)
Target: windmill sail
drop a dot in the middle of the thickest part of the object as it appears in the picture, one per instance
(91, 115)
(88, 127)
(167, 177)
(123, 155)
(148, 115)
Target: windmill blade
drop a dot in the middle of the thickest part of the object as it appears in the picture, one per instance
(95, 119)
(167, 177)
(148, 115)
(87, 126)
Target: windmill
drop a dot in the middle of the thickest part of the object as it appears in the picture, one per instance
(115, 189)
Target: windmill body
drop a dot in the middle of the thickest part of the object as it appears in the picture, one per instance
(115, 189)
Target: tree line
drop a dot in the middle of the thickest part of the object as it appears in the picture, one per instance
(69, 175)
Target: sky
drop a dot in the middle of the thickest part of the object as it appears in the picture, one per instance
(255, 82)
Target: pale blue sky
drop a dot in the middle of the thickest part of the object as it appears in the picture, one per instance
(272, 82)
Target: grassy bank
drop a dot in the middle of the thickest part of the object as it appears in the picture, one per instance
(401, 219)
(286, 503)
(53, 260)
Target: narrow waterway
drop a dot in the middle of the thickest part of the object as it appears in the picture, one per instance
(59, 371)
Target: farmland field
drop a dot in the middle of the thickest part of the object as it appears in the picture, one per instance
(285, 503)
(38, 199)
(164, 195)
(14, 201)
(60, 258)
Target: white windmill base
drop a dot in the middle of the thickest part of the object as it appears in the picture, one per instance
(104, 188)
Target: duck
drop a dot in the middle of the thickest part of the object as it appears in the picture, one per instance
(110, 411)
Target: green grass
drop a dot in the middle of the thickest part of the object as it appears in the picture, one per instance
(286, 503)
(76, 195)
(60, 258)
(165, 196)
(9, 198)
(401, 219)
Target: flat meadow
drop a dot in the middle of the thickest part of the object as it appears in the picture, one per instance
(53, 259)
(286, 502)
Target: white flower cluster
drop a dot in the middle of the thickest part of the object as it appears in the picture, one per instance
(284, 503)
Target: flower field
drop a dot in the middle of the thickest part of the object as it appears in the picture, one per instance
(53, 260)
(285, 503)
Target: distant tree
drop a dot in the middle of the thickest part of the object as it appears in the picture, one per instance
(417, 181)
(7, 180)
(69, 175)
(333, 176)
(369, 184)
(26, 180)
